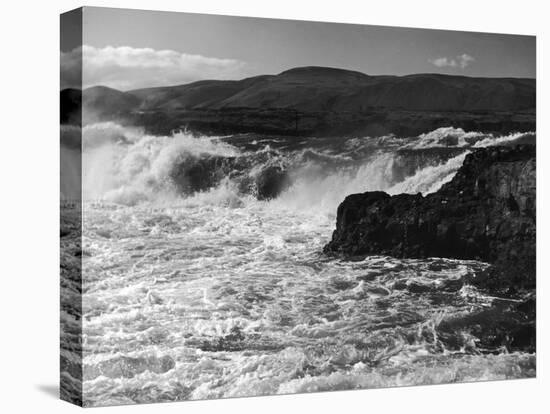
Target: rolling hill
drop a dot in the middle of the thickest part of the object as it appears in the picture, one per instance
(328, 89)
(315, 96)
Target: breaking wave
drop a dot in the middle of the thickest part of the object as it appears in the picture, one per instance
(127, 166)
(448, 137)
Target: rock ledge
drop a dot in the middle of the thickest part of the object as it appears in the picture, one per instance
(486, 212)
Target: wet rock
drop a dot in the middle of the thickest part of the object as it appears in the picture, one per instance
(486, 212)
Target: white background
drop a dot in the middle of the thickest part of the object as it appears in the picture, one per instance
(29, 160)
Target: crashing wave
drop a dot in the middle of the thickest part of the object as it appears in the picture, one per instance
(450, 137)
(430, 179)
(127, 166)
(512, 139)
(446, 137)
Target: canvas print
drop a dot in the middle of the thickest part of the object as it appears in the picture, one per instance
(255, 207)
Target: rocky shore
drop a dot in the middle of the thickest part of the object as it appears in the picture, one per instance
(487, 212)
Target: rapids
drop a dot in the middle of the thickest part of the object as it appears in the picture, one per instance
(206, 290)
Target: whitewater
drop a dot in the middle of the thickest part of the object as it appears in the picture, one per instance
(203, 274)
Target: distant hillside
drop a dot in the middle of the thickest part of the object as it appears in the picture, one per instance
(315, 93)
(327, 89)
(100, 102)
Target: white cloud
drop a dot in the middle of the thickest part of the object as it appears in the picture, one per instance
(125, 67)
(443, 62)
(460, 61)
(464, 60)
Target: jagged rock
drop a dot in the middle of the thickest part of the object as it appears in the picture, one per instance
(486, 212)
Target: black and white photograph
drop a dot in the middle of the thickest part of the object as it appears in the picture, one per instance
(255, 207)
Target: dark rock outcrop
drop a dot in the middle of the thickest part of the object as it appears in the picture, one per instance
(486, 212)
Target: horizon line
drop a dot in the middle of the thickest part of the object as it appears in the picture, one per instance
(302, 67)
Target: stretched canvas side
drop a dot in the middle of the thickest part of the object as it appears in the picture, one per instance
(70, 369)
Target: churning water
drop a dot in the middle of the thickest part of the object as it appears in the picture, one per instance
(203, 273)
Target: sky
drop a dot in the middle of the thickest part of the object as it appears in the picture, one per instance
(129, 49)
